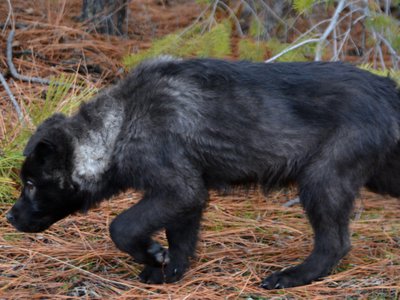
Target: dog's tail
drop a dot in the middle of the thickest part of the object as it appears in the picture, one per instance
(386, 179)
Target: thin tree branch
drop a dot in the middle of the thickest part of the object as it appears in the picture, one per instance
(344, 40)
(328, 30)
(389, 47)
(12, 98)
(331, 26)
(309, 41)
(335, 44)
(380, 38)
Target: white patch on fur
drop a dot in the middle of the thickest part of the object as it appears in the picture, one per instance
(93, 152)
(186, 95)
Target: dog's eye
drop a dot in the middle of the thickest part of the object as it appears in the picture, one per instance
(29, 185)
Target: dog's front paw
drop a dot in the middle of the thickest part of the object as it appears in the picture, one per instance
(158, 254)
(158, 275)
(284, 279)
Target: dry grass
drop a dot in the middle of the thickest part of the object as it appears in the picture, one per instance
(245, 236)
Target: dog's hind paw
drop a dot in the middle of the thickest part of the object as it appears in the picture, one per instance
(284, 279)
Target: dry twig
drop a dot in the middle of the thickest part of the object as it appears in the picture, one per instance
(12, 98)
(12, 68)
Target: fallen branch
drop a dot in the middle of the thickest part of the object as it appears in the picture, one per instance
(12, 68)
(12, 98)
(292, 202)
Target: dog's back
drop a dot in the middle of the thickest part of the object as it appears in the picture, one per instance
(244, 122)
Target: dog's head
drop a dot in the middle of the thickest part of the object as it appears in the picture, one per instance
(48, 193)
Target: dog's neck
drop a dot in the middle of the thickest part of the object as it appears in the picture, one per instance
(93, 149)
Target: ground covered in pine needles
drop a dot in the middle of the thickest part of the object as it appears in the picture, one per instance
(245, 235)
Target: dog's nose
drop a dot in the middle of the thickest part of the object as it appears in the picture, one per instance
(10, 217)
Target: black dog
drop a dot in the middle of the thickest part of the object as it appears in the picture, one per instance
(176, 128)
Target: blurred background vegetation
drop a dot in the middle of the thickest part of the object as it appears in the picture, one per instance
(368, 30)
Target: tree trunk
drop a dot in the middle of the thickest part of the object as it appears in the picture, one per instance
(106, 16)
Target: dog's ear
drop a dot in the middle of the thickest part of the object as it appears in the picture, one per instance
(44, 149)
(42, 135)
(53, 147)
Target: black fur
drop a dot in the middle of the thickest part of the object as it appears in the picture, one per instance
(177, 128)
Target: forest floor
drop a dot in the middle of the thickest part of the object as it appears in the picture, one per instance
(245, 235)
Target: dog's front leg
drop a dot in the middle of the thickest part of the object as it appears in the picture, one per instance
(131, 232)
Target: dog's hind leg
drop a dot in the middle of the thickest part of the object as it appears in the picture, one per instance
(328, 186)
(328, 207)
